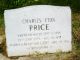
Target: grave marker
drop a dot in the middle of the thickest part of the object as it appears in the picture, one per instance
(38, 28)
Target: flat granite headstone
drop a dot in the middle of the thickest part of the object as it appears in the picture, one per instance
(38, 28)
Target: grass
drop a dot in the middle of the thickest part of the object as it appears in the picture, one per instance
(73, 55)
(1, 24)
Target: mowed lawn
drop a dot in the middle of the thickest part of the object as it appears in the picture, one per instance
(73, 55)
